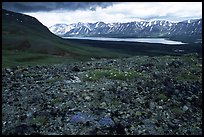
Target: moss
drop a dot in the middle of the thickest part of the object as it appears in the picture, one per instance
(123, 75)
(177, 111)
(40, 120)
(115, 102)
(188, 76)
(162, 97)
(113, 74)
(33, 75)
(190, 57)
(56, 100)
(138, 113)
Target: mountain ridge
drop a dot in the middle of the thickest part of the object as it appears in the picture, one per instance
(136, 29)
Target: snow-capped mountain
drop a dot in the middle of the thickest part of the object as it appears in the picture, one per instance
(61, 29)
(155, 28)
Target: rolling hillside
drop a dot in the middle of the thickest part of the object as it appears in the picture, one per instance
(25, 41)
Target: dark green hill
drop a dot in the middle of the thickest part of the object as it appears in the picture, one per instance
(26, 41)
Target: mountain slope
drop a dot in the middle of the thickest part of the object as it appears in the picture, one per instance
(23, 32)
(157, 28)
(25, 37)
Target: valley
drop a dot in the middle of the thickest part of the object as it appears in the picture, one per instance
(140, 48)
(57, 86)
(24, 37)
(32, 43)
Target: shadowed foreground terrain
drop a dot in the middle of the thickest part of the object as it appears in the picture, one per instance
(139, 95)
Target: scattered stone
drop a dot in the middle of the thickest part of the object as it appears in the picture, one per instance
(103, 105)
(106, 122)
(75, 69)
(87, 98)
(138, 113)
(175, 64)
(164, 103)
(80, 118)
(185, 108)
(152, 105)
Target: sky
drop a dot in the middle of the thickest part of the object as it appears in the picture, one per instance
(51, 13)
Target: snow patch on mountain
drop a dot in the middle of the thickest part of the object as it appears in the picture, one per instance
(136, 29)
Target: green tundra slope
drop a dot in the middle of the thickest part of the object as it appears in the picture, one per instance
(25, 41)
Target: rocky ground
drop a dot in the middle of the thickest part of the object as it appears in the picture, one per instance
(132, 96)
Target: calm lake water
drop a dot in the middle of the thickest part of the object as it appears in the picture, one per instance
(148, 40)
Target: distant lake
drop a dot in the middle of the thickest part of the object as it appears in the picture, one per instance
(148, 40)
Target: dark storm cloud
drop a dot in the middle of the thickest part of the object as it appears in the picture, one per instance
(51, 6)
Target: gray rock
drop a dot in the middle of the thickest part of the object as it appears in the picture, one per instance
(152, 105)
(185, 108)
(106, 122)
(87, 98)
(105, 106)
(80, 117)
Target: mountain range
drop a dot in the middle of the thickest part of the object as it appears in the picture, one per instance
(26, 41)
(157, 28)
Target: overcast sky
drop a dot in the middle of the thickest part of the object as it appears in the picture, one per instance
(50, 13)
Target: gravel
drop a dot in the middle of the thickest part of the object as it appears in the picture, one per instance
(130, 96)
